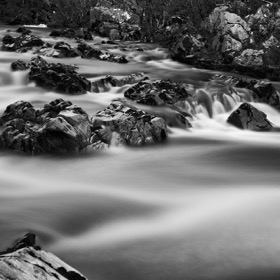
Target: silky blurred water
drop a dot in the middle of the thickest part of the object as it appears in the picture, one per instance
(204, 205)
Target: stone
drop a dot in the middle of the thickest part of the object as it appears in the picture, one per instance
(250, 58)
(57, 76)
(72, 34)
(22, 43)
(134, 127)
(65, 50)
(26, 261)
(109, 81)
(248, 117)
(59, 127)
(19, 65)
(88, 52)
(23, 30)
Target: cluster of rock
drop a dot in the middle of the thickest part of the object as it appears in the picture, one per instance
(115, 24)
(61, 127)
(28, 42)
(231, 43)
(26, 261)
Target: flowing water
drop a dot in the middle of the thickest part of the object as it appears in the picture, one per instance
(204, 205)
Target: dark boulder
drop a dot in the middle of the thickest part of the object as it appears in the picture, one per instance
(57, 76)
(248, 117)
(133, 126)
(59, 127)
(19, 65)
(159, 93)
(23, 30)
(65, 50)
(30, 262)
(22, 43)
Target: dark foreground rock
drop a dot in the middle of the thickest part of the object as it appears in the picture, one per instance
(133, 126)
(57, 76)
(248, 117)
(59, 127)
(26, 261)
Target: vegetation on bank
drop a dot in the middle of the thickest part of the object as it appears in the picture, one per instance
(153, 14)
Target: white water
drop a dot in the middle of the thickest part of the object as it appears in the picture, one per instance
(205, 205)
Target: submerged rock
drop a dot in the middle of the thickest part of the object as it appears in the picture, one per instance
(23, 30)
(133, 126)
(57, 76)
(26, 261)
(248, 117)
(71, 33)
(59, 127)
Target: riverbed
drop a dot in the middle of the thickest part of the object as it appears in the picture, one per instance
(203, 205)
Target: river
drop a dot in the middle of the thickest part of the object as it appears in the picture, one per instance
(204, 205)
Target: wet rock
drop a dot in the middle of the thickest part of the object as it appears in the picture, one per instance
(22, 43)
(109, 81)
(159, 93)
(29, 262)
(57, 76)
(23, 30)
(59, 127)
(248, 117)
(133, 126)
(19, 65)
(89, 52)
(65, 50)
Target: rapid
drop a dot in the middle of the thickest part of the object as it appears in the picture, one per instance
(204, 205)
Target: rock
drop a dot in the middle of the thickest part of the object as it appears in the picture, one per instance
(65, 50)
(29, 262)
(22, 43)
(57, 76)
(23, 30)
(134, 127)
(19, 65)
(89, 52)
(71, 33)
(248, 117)
(222, 22)
(250, 58)
(109, 81)
(158, 93)
(59, 127)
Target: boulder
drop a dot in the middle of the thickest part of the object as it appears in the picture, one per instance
(19, 65)
(23, 30)
(26, 261)
(22, 43)
(59, 127)
(133, 126)
(65, 50)
(57, 76)
(158, 93)
(222, 22)
(248, 117)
